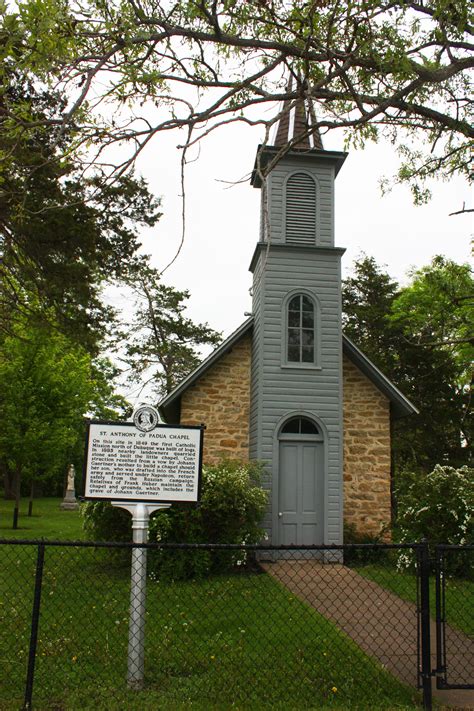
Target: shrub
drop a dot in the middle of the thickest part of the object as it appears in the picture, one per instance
(104, 522)
(439, 507)
(363, 555)
(230, 511)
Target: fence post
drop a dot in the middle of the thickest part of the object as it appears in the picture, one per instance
(440, 628)
(424, 573)
(30, 674)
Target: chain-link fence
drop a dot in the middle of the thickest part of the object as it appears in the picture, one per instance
(225, 627)
(455, 616)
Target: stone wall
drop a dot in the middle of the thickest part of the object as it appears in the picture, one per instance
(221, 399)
(366, 452)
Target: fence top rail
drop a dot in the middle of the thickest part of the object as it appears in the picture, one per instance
(454, 547)
(207, 546)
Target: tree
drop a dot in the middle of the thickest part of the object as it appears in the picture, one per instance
(62, 235)
(435, 315)
(392, 67)
(437, 309)
(387, 322)
(160, 345)
(367, 299)
(47, 385)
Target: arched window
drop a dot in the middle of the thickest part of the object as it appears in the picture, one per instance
(300, 346)
(300, 209)
(300, 426)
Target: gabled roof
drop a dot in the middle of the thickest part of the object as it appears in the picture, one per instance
(169, 406)
(401, 405)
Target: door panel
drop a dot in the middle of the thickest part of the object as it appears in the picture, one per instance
(289, 534)
(309, 535)
(308, 487)
(288, 485)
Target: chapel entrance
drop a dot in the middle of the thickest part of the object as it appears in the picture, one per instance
(301, 483)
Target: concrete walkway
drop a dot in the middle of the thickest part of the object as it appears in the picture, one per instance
(382, 624)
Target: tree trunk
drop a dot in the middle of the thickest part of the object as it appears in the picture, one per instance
(8, 482)
(32, 496)
(16, 510)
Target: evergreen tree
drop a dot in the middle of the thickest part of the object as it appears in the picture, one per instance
(367, 299)
(161, 345)
(421, 343)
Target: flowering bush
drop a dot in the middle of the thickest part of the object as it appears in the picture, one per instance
(439, 507)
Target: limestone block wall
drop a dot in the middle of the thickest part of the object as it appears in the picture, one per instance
(366, 452)
(221, 400)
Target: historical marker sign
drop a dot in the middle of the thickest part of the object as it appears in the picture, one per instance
(124, 463)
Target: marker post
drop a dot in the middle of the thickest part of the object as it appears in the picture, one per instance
(136, 629)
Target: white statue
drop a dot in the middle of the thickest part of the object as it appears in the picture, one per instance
(71, 474)
(70, 501)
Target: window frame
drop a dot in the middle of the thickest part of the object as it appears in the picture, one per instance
(315, 364)
(298, 436)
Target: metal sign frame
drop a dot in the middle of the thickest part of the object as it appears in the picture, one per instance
(126, 497)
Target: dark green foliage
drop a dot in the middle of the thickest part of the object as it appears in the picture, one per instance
(231, 508)
(362, 556)
(424, 349)
(62, 233)
(434, 315)
(429, 378)
(103, 522)
(367, 299)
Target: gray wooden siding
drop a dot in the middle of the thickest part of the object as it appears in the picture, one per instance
(323, 173)
(278, 391)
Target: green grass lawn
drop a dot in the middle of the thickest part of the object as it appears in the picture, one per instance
(228, 642)
(47, 521)
(232, 641)
(459, 593)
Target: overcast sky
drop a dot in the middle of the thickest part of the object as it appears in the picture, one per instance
(222, 220)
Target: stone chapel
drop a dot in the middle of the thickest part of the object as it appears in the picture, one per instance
(287, 387)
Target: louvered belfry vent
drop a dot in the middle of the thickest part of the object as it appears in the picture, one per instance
(300, 209)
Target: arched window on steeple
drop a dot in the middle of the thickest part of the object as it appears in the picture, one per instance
(301, 330)
(300, 209)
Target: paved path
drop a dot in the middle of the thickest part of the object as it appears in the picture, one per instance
(382, 624)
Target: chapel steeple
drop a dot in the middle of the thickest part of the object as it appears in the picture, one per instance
(297, 126)
(296, 337)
